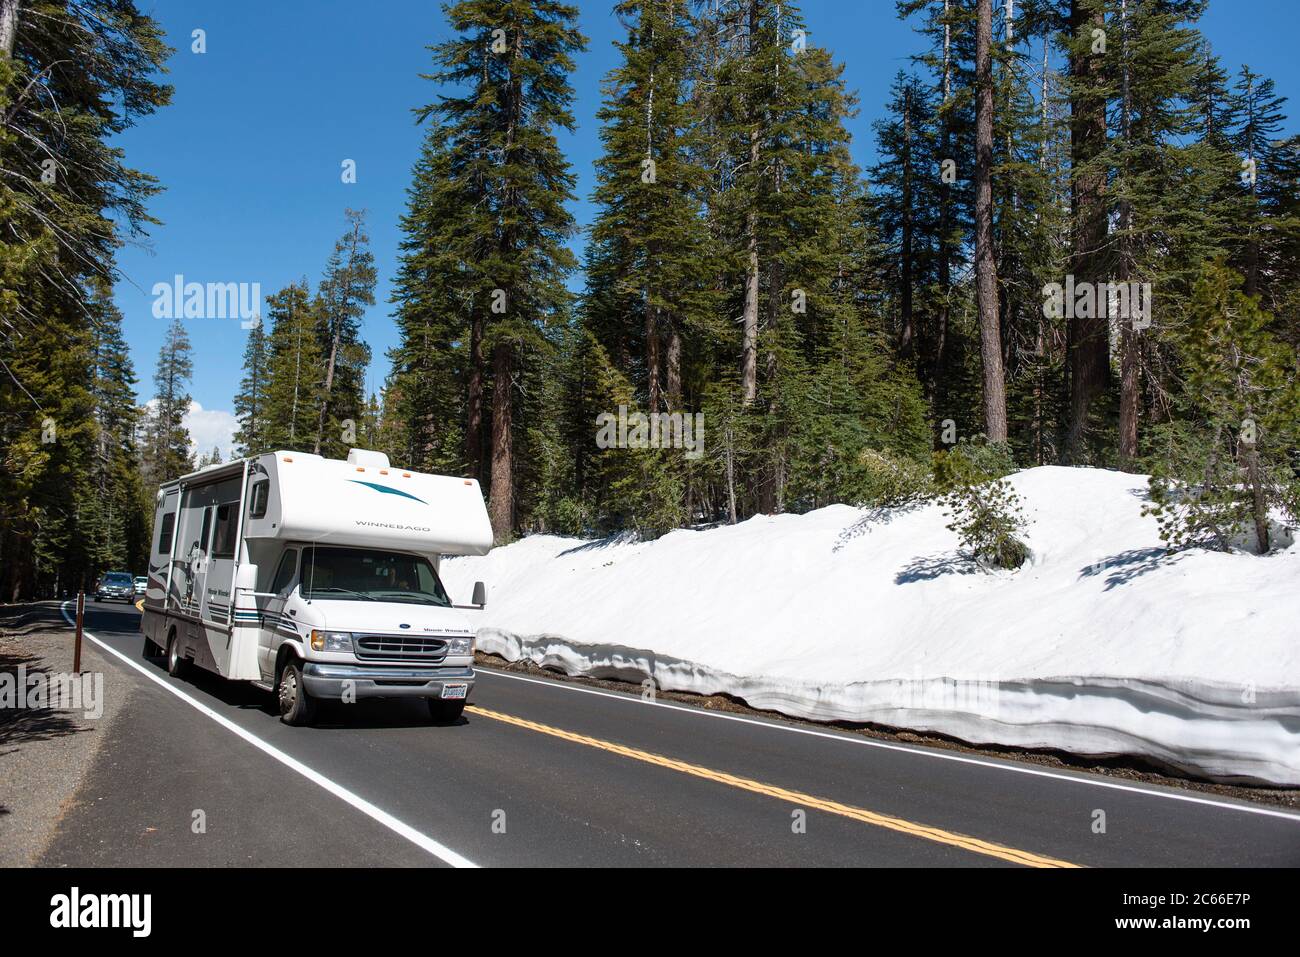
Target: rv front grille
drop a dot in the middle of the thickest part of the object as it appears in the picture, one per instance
(399, 648)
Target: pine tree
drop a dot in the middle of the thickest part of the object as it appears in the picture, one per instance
(910, 186)
(779, 107)
(1231, 461)
(506, 69)
(251, 399)
(426, 388)
(347, 288)
(1269, 224)
(73, 76)
(121, 504)
(167, 449)
(649, 265)
(295, 370)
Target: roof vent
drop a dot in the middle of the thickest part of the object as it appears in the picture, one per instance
(368, 459)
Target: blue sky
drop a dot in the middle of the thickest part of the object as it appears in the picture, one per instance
(250, 151)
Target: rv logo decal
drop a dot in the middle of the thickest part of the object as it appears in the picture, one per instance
(384, 488)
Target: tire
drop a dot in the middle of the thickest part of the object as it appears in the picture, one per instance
(297, 706)
(97, 598)
(445, 712)
(178, 665)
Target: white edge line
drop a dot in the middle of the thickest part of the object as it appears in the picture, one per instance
(420, 840)
(1081, 778)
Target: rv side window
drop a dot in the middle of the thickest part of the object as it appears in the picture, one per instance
(223, 543)
(284, 574)
(257, 500)
(202, 543)
(165, 533)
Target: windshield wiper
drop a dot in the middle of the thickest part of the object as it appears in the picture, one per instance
(362, 596)
(413, 598)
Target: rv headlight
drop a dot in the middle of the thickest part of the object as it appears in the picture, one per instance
(460, 646)
(331, 640)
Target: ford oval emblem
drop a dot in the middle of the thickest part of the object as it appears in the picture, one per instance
(403, 625)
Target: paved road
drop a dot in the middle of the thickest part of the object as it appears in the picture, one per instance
(548, 773)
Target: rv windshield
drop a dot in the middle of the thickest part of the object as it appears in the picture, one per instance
(367, 574)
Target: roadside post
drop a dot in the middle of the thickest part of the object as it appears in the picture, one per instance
(81, 610)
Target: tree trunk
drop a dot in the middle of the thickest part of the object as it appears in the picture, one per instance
(907, 332)
(501, 503)
(995, 398)
(329, 385)
(1089, 352)
(654, 397)
(674, 371)
(749, 338)
(474, 401)
(1130, 364)
(749, 341)
(8, 26)
(936, 379)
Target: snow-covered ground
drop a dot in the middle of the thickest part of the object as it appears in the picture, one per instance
(1102, 645)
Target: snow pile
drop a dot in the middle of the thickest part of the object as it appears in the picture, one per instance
(1102, 645)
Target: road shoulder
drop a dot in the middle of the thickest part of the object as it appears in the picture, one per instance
(46, 752)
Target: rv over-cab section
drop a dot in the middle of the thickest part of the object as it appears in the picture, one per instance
(293, 496)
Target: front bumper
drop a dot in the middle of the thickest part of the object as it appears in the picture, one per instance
(382, 681)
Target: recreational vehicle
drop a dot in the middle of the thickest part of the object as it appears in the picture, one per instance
(317, 579)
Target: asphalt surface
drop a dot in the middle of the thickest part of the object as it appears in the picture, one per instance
(549, 773)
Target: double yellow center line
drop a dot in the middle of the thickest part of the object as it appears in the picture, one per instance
(938, 835)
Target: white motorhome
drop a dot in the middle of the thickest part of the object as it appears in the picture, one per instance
(316, 578)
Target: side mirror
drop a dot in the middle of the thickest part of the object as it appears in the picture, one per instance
(480, 595)
(246, 577)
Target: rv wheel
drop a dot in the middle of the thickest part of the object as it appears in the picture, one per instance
(297, 707)
(445, 712)
(177, 664)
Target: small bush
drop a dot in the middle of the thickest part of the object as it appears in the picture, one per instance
(889, 481)
(988, 518)
(972, 462)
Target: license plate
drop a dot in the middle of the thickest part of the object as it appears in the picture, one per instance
(455, 691)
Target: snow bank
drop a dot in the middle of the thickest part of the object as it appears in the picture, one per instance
(1102, 645)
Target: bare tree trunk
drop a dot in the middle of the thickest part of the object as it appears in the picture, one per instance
(329, 385)
(749, 340)
(936, 377)
(749, 337)
(1130, 365)
(8, 26)
(474, 400)
(1040, 340)
(907, 332)
(501, 502)
(731, 479)
(653, 389)
(1252, 245)
(995, 397)
(674, 371)
(1258, 504)
(1089, 345)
